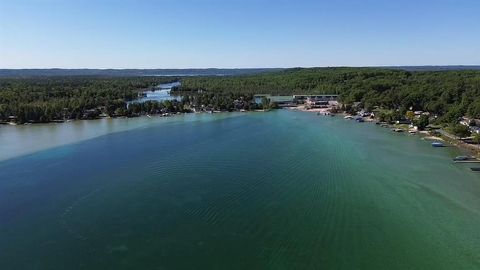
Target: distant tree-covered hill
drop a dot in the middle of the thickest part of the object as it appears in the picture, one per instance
(186, 72)
(130, 72)
(434, 68)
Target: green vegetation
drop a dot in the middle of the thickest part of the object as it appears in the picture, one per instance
(422, 122)
(45, 99)
(476, 140)
(221, 101)
(461, 131)
(447, 94)
(395, 94)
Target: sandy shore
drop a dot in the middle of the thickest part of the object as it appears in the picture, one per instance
(433, 138)
(303, 109)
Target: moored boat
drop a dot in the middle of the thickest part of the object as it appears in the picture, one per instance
(462, 158)
(437, 144)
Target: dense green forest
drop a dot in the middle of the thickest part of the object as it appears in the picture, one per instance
(44, 99)
(448, 94)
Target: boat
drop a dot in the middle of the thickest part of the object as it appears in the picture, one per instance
(476, 169)
(462, 158)
(348, 117)
(437, 144)
(360, 119)
(397, 130)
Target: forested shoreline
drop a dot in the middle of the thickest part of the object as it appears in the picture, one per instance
(448, 95)
(46, 99)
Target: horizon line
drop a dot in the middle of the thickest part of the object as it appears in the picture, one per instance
(233, 68)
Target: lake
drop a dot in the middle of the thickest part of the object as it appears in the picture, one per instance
(160, 93)
(275, 190)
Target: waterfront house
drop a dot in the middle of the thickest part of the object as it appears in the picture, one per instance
(304, 98)
(90, 114)
(469, 121)
(475, 129)
(464, 121)
(403, 122)
(282, 101)
(364, 113)
(314, 102)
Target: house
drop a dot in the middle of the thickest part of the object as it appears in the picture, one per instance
(464, 121)
(403, 121)
(475, 129)
(469, 121)
(282, 101)
(304, 98)
(314, 102)
(90, 114)
(364, 113)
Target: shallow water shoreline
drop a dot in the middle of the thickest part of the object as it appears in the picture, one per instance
(19, 140)
(130, 123)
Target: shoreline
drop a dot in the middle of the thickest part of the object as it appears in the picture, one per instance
(473, 150)
(158, 115)
(470, 149)
(20, 140)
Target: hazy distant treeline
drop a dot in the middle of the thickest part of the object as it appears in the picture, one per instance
(130, 72)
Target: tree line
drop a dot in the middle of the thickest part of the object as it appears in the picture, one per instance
(447, 94)
(45, 99)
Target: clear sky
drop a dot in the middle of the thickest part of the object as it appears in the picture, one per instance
(237, 33)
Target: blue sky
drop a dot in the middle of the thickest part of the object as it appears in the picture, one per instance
(237, 33)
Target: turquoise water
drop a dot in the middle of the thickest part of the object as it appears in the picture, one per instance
(277, 190)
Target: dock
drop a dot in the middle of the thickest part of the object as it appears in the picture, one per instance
(467, 161)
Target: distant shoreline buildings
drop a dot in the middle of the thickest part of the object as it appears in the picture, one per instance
(311, 101)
